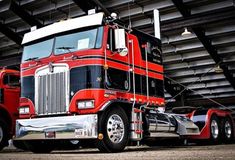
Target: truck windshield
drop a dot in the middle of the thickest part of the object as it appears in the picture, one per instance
(78, 41)
(37, 50)
(64, 44)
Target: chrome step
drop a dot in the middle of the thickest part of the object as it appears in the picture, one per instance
(163, 135)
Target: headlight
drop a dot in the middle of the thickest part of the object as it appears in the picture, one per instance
(24, 110)
(86, 104)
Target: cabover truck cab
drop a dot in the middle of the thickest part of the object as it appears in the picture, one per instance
(89, 78)
(9, 103)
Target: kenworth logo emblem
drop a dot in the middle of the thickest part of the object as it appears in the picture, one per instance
(51, 67)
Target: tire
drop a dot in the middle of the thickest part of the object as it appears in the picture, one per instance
(39, 146)
(227, 130)
(4, 134)
(114, 126)
(215, 130)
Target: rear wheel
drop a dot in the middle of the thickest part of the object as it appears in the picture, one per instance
(114, 126)
(227, 130)
(4, 134)
(38, 146)
(215, 129)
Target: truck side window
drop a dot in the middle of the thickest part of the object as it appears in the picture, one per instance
(11, 80)
(111, 41)
(117, 79)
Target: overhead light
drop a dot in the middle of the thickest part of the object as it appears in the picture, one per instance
(217, 69)
(186, 32)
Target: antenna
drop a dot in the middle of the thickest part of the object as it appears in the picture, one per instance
(129, 16)
(69, 16)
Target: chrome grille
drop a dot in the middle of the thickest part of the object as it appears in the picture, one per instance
(51, 93)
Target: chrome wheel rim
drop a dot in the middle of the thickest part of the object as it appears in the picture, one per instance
(115, 128)
(214, 129)
(228, 129)
(1, 134)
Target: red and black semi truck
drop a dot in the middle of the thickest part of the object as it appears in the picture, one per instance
(93, 80)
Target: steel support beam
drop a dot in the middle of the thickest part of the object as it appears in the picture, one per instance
(97, 2)
(85, 5)
(214, 54)
(10, 61)
(205, 41)
(90, 4)
(203, 102)
(10, 34)
(182, 8)
(199, 20)
(24, 15)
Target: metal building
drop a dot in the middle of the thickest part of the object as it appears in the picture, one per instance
(198, 40)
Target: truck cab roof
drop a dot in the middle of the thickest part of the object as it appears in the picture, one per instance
(5, 70)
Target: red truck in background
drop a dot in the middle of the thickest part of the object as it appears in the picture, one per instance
(9, 102)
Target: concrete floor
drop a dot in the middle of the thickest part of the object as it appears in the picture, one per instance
(209, 152)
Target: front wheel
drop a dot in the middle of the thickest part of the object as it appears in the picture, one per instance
(114, 126)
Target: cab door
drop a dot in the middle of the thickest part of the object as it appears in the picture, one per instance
(11, 92)
(117, 75)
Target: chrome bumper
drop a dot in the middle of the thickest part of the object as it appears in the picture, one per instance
(66, 127)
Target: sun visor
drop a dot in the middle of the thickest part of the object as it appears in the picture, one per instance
(63, 26)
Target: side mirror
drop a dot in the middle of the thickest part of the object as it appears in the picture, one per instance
(120, 42)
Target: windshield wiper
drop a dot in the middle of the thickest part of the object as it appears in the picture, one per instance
(31, 59)
(66, 48)
(69, 49)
